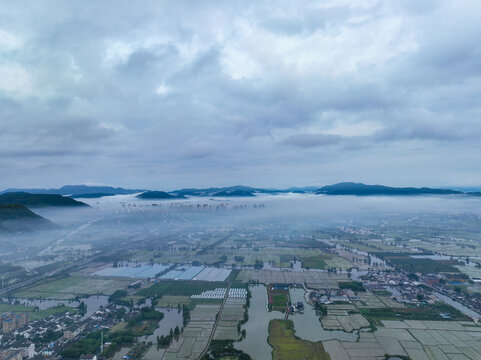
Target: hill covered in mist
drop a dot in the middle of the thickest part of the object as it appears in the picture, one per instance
(38, 200)
(16, 217)
(155, 195)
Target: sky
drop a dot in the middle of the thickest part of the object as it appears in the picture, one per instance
(171, 94)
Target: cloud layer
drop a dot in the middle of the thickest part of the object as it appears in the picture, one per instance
(172, 94)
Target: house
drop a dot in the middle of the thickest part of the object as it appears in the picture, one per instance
(27, 348)
(10, 355)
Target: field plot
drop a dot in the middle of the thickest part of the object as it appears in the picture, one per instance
(72, 286)
(200, 273)
(172, 301)
(141, 272)
(195, 336)
(32, 314)
(232, 314)
(472, 271)
(345, 321)
(312, 278)
(420, 340)
(287, 347)
(277, 298)
(279, 257)
(179, 288)
(369, 300)
(423, 266)
(424, 312)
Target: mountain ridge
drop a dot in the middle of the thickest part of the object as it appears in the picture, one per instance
(360, 189)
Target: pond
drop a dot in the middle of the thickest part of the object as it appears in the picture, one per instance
(257, 328)
(172, 318)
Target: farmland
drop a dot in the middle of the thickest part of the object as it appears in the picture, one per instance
(72, 286)
(287, 347)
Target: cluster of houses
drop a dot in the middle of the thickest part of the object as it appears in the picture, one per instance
(329, 296)
(11, 321)
(28, 340)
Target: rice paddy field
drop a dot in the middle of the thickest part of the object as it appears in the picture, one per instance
(72, 286)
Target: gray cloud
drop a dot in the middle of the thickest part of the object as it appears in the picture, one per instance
(312, 140)
(145, 95)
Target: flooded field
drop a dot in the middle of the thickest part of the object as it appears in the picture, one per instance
(93, 303)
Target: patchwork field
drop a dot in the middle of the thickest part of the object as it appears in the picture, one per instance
(420, 340)
(70, 287)
(232, 314)
(312, 278)
(195, 336)
(179, 288)
(341, 320)
(287, 347)
(371, 300)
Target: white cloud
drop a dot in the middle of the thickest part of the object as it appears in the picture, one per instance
(364, 128)
(162, 90)
(9, 41)
(15, 79)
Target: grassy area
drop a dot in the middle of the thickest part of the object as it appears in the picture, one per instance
(288, 347)
(277, 299)
(172, 301)
(47, 312)
(15, 308)
(32, 314)
(423, 312)
(180, 288)
(313, 262)
(424, 266)
(71, 286)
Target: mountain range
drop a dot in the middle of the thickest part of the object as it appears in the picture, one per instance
(343, 188)
(79, 190)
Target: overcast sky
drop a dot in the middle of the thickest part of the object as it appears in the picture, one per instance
(267, 93)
